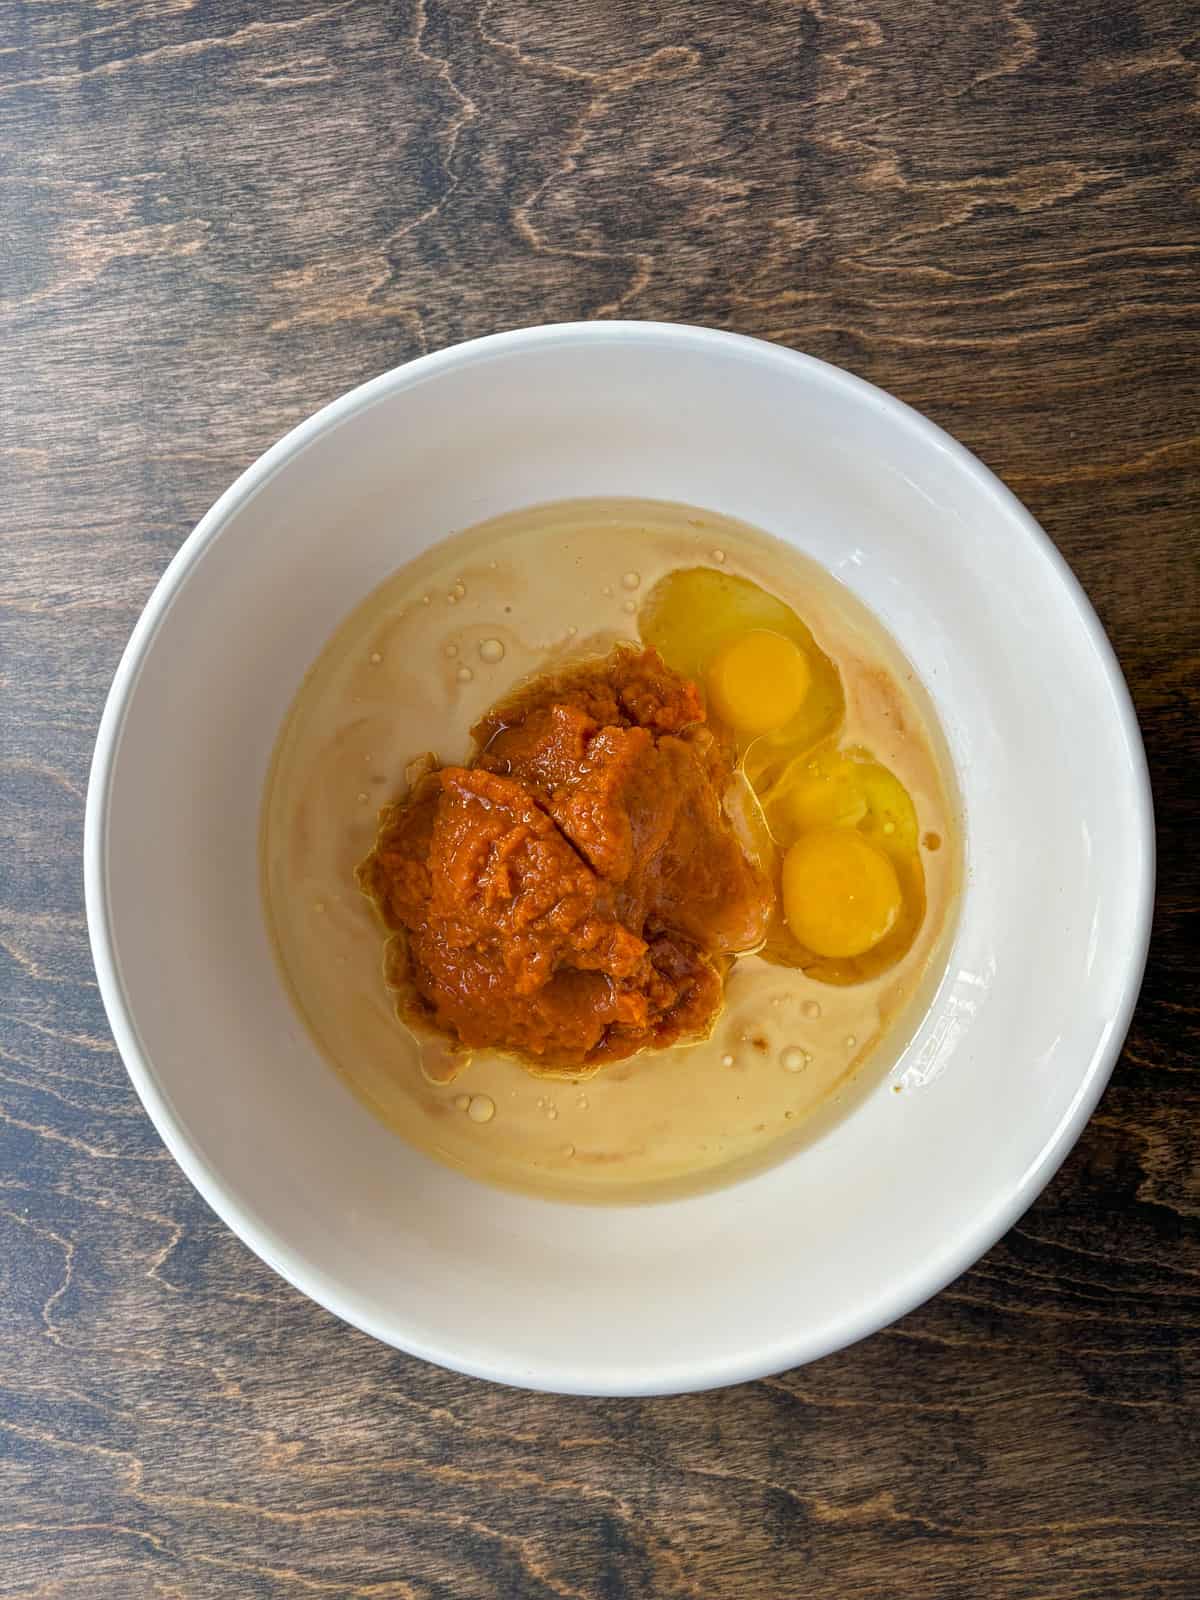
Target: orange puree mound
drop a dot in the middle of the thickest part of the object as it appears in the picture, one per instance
(575, 895)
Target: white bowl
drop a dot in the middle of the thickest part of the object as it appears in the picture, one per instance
(903, 1193)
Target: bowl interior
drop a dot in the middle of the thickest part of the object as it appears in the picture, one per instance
(893, 1200)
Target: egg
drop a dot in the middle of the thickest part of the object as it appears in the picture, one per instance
(758, 681)
(837, 829)
(693, 615)
(841, 895)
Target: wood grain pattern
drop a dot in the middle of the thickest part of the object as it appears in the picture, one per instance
(216, 216)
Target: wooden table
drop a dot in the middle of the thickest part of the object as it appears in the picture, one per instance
(214, 217)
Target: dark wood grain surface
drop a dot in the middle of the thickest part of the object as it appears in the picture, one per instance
(214, 217)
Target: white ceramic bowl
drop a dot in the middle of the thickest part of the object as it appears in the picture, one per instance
(900, 1196)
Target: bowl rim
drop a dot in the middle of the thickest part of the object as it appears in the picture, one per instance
(259, 1234)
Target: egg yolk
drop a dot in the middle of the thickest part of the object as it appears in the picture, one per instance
(830, 800)
(757, 682)
(841, 895)
(770, 684)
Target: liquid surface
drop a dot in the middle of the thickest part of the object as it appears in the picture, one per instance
(409, 673)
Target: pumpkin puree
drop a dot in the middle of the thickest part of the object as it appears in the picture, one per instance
(576, 893)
